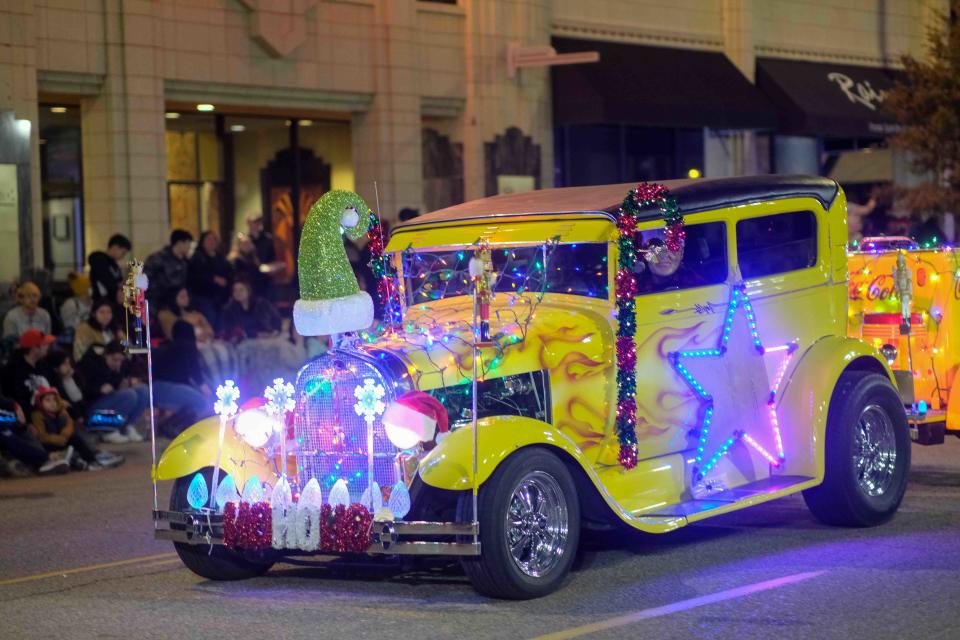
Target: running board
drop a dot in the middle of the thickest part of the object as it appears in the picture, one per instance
(752, 493)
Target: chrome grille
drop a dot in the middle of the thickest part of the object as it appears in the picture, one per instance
(331, 436)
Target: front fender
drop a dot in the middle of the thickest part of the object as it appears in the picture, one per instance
(805, 400)
(196, 448)
(450, 464)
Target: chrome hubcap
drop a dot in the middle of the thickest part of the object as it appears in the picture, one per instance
(874, 451)
(537, 524)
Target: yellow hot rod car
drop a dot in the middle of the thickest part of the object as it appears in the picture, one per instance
(643, 355)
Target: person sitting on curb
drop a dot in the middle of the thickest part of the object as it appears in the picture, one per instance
(56, 432)
(28, 314)
(18, 443)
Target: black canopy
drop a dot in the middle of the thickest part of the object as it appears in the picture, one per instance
(655, 86)
(822, 99)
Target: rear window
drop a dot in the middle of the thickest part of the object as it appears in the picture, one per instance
(776, 244)
(703, 262)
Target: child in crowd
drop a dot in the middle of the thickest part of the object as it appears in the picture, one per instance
(16, 442)
(56, 431)
(76, 308)
(28, 314)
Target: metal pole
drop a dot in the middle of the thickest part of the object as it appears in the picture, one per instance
(153, 427)
(473, 413)
(216, 467)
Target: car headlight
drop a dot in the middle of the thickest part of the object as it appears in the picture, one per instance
(889, 353)
(254, 426)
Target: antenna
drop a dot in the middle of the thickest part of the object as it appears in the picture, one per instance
(385, 259)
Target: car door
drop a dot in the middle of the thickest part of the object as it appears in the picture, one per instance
(679, 307)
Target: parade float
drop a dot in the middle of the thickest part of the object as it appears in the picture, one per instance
(903, 300)
(635, 354)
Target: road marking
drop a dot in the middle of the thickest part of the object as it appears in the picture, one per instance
(93, 567)
(676, 607)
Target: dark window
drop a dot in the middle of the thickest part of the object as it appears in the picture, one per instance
(577, 269)
(703, 260)
(776, 244)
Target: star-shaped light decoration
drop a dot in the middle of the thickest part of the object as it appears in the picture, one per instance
(747, 407)
(369, 399)
(280, 400)
(227, 395)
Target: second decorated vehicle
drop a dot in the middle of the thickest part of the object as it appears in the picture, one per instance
(643, 355)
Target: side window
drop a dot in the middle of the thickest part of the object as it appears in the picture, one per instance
(776, 244)
(703, 260)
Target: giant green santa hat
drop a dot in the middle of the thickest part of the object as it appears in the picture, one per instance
(330, 298)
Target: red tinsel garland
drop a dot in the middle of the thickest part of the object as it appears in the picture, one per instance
(342, 529)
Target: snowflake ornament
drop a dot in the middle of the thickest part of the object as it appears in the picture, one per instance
(369, 399)
(279, 398)
(227, 395)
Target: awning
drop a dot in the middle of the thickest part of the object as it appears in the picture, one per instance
(833, 100)
(863, 167)
(657, 87)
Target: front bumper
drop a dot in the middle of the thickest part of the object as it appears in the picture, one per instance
(389, 537)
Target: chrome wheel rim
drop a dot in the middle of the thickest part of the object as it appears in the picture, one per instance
(875, 451)
(537, 524)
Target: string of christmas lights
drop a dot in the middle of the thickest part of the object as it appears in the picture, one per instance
(388, 286)
(645, 195)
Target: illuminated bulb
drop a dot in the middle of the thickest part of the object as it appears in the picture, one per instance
(205, 107)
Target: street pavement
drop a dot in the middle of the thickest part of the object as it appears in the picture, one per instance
(78, 560)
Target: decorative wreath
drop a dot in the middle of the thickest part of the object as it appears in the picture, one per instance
(643, 196)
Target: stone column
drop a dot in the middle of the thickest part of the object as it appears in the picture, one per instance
(495, 102)
(387, 138)
(124, 157)
(738, 45)
(18, 93)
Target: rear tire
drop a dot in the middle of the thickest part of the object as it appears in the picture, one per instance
(866, 456)
(218, 563)
(529, 515)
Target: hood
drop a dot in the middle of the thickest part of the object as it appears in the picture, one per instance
(556, 332)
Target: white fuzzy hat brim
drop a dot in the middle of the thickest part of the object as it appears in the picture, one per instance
(337, 315)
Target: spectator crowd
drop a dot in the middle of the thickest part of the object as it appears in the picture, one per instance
(68, 382)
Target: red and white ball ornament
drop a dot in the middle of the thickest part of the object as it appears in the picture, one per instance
(415, 417)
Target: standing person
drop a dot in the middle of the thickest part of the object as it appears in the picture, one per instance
(262, 239)
(263, 352)
(56, 431)
(106, 270)
(22, 375)
(77, 307)
(167, 269)
(28, 314)
(246, 264)
(209, 277)
(99, 328)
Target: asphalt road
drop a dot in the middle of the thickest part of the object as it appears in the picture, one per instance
(77, 560)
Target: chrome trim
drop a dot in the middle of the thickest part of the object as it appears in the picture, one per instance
(874, 451)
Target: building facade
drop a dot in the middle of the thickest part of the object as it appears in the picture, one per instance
(135, 116)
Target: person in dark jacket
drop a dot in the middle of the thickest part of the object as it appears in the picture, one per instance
(209, 276)
(23, 374)
(249, 316)
(106, 387)
(167, 269)
(106, 273)
(262, 239)
(179, 360)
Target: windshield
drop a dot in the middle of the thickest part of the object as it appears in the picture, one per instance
(576, 269)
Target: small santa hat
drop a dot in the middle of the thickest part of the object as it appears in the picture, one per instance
(415, 417)
(43, 391)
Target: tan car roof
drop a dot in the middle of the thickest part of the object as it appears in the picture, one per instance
(693, 196)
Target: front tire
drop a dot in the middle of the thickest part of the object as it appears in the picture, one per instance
(867, 453)
(218, 563)
(529, 515)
